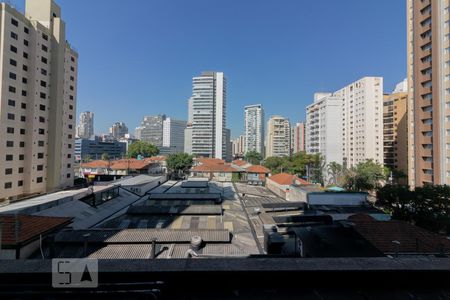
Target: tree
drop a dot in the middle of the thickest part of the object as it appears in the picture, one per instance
(87, 158)
(142, 148)
(105, 156)
(318, 169)
(335, 171)
(365, 176)
(398, 200)
(274, 163)
(179, 163)
(253, 157)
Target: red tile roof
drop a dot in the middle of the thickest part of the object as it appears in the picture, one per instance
(257, 169)
(225, 168)
(29, 227)
(122, 164)
(239, 162)
(287, 179)
(96, 164)
(210, 161)
(412, 239)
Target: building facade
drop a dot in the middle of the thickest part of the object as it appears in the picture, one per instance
(298, 138)
(429, 91)
(85, 127)
(207, 114)
(94, 148)
(395, 131)
(38, 100)
(254, 128)
(173, 135)
(118, 130)
(151, 130)
(238, 146)
(324, 127)
(278, 137)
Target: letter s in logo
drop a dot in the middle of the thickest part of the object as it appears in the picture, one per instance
(69, 281)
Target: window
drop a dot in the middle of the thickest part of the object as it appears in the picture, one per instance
(42, 107)
(25, 67)
(69, 155)
(8, 171)
(20, 170)
(41, 131)
(43, 71)
(44, 60)
(14, 22)
(71, 97)
(9, 130)
(25, 55)
(39, 179)
(72, 59)
(426, 58)
(42, 119)
(24, 93)
(71, 87)
(69, 146)
(11, 102)
(40, 155)
(43, 95)
(70, 117)
(69, 166)
(26, 30)
(20, 183)
(22, 144)
(70, 125)
(68, 175)
(43, 83)
(24, 80)
(11, 116)
(14, 35)
(12, 62)
(21, 157)
(44, 36)
(13, 49)
(44, 48)
(41, 143)
(25, 42)
(23, 119)
(40, 167)
(12, 89)
(9, 144)
(22, 131)
(8, 185)
(72, 69)
(69, 136)
(12, 76)
(9, 157)
(71, 107)
(72, 78)
(23, 105)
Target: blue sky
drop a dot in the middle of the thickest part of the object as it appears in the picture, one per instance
(138, 57)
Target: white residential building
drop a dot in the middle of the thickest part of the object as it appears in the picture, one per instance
(207, 109)
(38, 100)
(173, 135)
(238, 146)
(118, 130)
(85, 127)
(254, 128)
(278, 137)
(298, 138)
(324, 127)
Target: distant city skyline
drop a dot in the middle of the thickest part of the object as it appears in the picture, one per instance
(121, 82)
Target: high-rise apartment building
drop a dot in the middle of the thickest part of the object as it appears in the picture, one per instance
(118, 130)
(298, 137)
(278, 137)
(238, 146)
(395, 131)
(38, 100)
(151, 130)
(362, 121)
(207, 115)
(429, 91)
(254, 128)
(173, 135)
(85, 127)
(324, 127)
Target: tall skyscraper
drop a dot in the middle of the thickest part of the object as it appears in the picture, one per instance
(254, 128)
(85, 127)
(324, 127)
(395, 131)
(151, 130)
(429, 92)
(278, 137)
(38, 100)
(298, 137)
(118, 130)
(238, 146)
(173, 135)
(207, 114)
(362, 121)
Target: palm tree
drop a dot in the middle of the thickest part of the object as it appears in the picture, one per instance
(334, 170)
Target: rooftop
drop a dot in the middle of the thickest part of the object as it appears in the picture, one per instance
(287, 179)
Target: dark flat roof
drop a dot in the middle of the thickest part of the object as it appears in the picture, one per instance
(195, 184)
(175, 210)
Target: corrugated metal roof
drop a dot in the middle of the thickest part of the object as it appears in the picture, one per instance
(176, 210)
(123, 252)
(185, 196)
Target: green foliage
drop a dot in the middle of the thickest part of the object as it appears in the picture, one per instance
(142, 148)
(365, 176)
(179, 162)
(427, 206)
(336, 172)
(105, 156)
(253, 157)
(235, 177)
(87, 158)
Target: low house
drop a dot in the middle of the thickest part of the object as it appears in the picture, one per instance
(256, 174)
(215, 171)
(122, 167)
(239, 163)
(280, 183)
